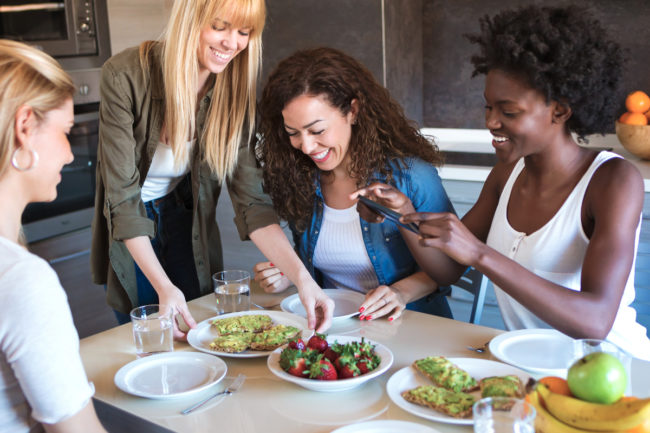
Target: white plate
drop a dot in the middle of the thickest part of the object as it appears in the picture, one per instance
(204, 333)
(382, 351)
(170, 375)
(409, 378)
(542, 351)
(346, 303)
(386, 426)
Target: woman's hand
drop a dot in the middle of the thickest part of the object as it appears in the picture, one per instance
(319, 307)
(447, 233)
(270, 278)
(384, 194)
(172, 298)
(382, 301)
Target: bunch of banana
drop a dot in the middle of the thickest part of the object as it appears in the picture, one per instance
(557, 413)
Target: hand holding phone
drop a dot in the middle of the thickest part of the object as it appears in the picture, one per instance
(389, 214)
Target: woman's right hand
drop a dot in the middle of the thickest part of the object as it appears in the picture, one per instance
(384, 194)
(270, 278)
(172, 298)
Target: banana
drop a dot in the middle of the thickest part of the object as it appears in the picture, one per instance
(622, 415)
(545, 422)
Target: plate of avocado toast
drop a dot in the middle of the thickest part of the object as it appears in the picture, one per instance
(246, 334)
(445, 389)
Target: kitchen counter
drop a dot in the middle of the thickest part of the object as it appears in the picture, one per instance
(465, 145)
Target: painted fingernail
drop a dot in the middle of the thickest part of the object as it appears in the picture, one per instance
(281, 273)
(271, 264)
(390, 319)
(361, 309)
(362, 317)
(368, 317)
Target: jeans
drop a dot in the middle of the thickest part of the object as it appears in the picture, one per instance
(172, 217)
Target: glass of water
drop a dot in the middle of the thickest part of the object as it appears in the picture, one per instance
(153, 331)
(232, 290)
(503, 415)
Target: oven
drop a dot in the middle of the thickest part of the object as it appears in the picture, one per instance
(76, 34)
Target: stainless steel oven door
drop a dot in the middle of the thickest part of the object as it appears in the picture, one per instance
(61, 28)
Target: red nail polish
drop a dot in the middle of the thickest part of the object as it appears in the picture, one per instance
(281, 273)
(390, 319)
(271, 264)
(361, 309)
(368, 317)
(362, 317)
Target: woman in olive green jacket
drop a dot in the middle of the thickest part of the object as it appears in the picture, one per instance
(176, 120)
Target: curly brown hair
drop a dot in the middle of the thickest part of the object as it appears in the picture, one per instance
(382, 134)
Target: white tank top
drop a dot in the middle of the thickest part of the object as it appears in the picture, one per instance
(556, 252)
(341, 254)
(163, 175)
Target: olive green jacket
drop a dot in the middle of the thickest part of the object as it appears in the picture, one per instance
(131, 116)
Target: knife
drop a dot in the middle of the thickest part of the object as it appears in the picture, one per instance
(234, 386)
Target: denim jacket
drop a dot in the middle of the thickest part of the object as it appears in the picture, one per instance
(386, 248)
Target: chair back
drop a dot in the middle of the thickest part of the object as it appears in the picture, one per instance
(475, 283)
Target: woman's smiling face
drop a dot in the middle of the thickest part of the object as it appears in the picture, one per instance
(320, 130)
(219, 43)
(518, 116)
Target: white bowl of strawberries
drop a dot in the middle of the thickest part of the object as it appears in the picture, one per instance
(330, 363)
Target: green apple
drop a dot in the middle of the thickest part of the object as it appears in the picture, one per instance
(598, 377)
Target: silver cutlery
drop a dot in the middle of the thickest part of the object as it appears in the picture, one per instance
(234, 386)
(481, 349)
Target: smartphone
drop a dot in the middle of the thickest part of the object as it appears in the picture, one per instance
(389, 214)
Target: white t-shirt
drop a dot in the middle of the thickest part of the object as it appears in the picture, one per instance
(556, 252)
(163, 174)
(41, 375)
(341, 254)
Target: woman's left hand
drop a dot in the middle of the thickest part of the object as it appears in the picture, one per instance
(384, 194)
(382, 301)
(270, 278)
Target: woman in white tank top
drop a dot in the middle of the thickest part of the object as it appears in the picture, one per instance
(556, 225)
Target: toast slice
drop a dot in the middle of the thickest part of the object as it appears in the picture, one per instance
(502, 386)
(232, 343)
(245, 323)
(273, 338)
(446, 374)
(454, 404)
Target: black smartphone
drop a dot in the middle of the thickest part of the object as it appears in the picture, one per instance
(389, 214)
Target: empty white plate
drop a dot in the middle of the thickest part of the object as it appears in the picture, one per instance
(542, 351)
(170, 375)
(346, 303)
(386, 426)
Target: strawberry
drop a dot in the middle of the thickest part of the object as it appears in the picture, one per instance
(346, 366)
(322, 369)
(295, 362)
(318, 342)
(368, 363)
(330, 354)
(297, 343)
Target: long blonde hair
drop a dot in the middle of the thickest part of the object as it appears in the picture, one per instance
(231, 114)
(27, 77)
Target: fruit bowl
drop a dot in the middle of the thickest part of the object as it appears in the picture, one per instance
(634, 138)
(273, 362)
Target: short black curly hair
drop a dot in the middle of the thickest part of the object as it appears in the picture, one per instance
(564, 53)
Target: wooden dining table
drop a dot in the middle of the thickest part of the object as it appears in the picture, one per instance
(266, 403)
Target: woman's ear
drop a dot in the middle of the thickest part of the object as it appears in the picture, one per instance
(561, 112)
(25, 122)
(354, 110)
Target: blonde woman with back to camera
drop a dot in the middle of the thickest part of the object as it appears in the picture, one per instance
(43, 386)
(176, 120)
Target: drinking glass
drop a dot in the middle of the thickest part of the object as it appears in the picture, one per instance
(232, 291)
(585, 346)
(153, 331)
(503, 415)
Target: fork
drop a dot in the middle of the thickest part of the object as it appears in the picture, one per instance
(481, 349)
(234, 386)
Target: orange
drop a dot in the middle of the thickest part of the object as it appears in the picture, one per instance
(644, 427)
(624, 116)
(637, 102)
(634, 119)
(556, 385)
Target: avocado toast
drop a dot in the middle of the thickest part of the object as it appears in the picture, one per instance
(250, 331)
(444, 373)
(502, 386)
(455, 404)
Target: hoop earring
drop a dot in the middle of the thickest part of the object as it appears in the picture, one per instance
(33, 163)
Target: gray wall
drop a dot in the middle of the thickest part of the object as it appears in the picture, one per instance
(416, 47)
